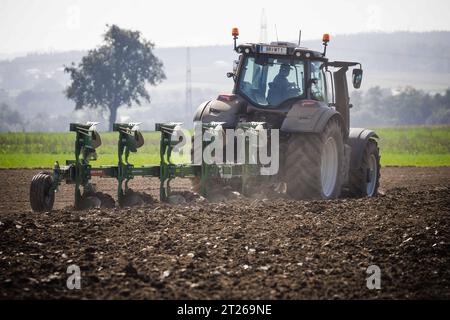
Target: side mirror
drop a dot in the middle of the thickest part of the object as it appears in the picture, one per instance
(235, 66)
(230, 74)
(357, 78)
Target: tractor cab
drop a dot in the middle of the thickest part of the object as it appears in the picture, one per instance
(270, 75)
(273, 75)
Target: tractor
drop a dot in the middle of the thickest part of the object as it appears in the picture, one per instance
(278, 87)
(305, 96)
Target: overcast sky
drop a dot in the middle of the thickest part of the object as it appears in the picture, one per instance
(44, 25)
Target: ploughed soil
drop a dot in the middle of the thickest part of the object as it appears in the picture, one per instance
(239, 249)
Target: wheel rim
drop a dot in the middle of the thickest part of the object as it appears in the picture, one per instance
(329, 167)
(372, 175)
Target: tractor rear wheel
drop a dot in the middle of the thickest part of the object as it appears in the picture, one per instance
(314, 163)
(42, 195)
(364, 181)
(196, 185)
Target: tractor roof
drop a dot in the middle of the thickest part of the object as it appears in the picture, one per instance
(279, 48)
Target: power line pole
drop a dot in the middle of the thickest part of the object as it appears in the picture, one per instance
(263, 30)
(188, 101)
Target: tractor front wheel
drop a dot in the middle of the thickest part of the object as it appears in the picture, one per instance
(42, 195)
(314, 163)
(365, 180)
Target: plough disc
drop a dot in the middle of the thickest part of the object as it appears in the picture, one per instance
(92, 199)
(132, 198)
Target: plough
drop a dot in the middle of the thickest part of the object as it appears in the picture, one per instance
(79, 172)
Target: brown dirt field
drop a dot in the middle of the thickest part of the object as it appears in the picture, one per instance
(242, 249)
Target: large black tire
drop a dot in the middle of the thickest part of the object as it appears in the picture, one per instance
(361, 180)
(42, 196)
(195, 181)
(303, 166)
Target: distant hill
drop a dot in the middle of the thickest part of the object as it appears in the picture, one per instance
(33, 83)
(380, 53)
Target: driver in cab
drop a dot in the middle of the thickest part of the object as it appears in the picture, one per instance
(280, 88)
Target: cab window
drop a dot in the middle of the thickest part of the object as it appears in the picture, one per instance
(318, 82)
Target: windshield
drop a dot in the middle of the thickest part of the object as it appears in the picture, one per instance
(269, 81)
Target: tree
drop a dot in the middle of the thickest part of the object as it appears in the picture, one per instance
(10, 120)
(116, 73)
